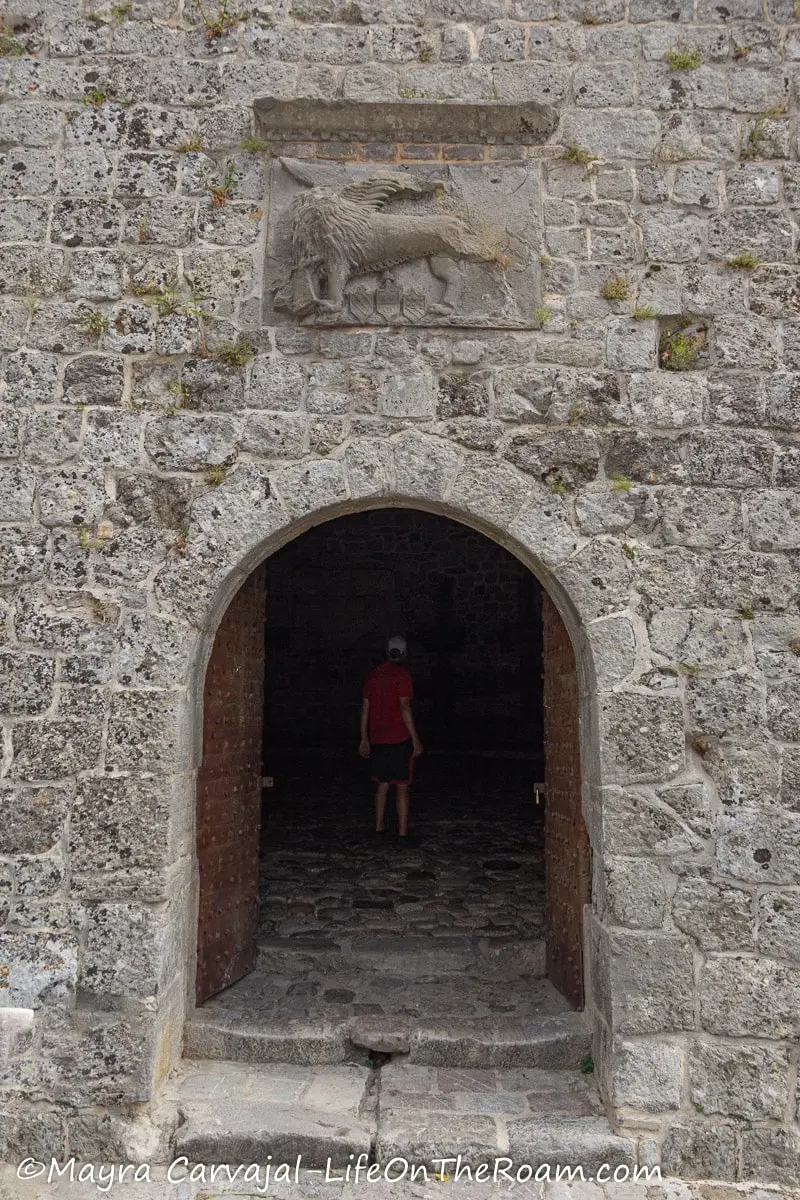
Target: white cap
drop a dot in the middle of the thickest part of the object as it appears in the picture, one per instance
(396, 647)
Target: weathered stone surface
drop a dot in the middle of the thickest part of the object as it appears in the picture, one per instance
(647, 1076)
(33, 818)
(717, 916)
(651, 982)
(692, 640)
(701, 521)
(773, 519)
(642, 737)
(700, 1152)
(745, 1081)
(143, 732)
(779, 924)
(633, 822)
(26, 684)
(120, 956)
(728, 707)
(636, 893)
(760, 846)
(189, 442)
(42, 968)
(749, 997)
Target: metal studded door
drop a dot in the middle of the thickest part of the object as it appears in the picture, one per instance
(567, 853)
(229, 794)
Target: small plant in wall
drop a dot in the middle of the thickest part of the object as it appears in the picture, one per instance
(181, 541)
(574, 153)
(745, 260)
(763, 140)
(615, 288)
(95, 98)
(253, 145)
(9, 46)
(214, 476)
(181, 394)
(219, 21)
(235, 354)
(645, 312)
(619, 482)
(683, 58)
(222, 192)
(95, 323)
(88, 539)
(679, 349)
(543, 315)
(557, 484)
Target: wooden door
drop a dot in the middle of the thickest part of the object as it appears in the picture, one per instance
(567, 853)
(229, 794)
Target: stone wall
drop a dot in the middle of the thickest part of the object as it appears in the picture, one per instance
(149, 462)
(469, 610)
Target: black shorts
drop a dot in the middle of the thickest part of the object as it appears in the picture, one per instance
(391, 762)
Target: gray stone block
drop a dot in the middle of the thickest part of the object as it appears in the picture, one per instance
(774, 519)
(190, 442)
(642, 737)
(702, 521)
(647, 1075)
(584, 1140)
(760, 846)
(143, 732)
(748, 1081)
(635, 893)
(631, 345)
(716, 915)
(700, 1152)
(771, 1155)
(749, 997)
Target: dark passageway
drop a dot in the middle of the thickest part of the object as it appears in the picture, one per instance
(373, 943)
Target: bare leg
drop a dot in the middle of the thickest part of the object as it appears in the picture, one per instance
(402, 809)
(381, 793)
(446, 270)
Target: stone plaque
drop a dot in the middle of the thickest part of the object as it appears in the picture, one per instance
(420, 244)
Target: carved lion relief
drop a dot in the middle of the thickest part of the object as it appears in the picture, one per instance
(356, 245)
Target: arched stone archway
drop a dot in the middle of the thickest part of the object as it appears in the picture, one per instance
(627, 734)
(229, 786)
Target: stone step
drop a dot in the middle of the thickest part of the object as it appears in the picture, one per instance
(237, 1113)
(556, 1042)
(233, 1113)
(404, 955)
(531, 1116)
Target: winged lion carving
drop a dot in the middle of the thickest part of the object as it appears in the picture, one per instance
(340, 233)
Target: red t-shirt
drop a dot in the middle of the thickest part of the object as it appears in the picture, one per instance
(384, 687)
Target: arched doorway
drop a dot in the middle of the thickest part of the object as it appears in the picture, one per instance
(361, 573)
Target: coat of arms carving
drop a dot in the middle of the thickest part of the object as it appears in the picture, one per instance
(352, 244)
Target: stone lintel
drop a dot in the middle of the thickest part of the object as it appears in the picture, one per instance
(417, 120)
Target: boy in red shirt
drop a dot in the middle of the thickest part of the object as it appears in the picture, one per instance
(388, 735)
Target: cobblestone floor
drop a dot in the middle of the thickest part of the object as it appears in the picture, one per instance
(479, 868)
(355, 927)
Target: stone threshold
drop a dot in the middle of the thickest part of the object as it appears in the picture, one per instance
(236, 1112)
